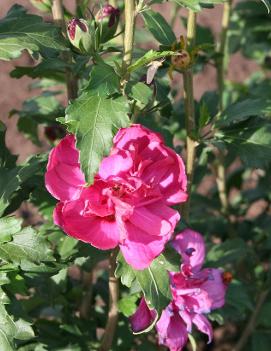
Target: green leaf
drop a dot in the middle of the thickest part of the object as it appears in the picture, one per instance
(124, 271)
(159, 27)
(195, 5)
(26, 245)
(12, 179)
(241, 111)
(250, 140)
(8, 227)
(42, 109)
(19, 31)
(267, 4)
(142, 94)
(154, 282)
(51, 68)
(103, 80)
(95, 120)
(127, 305)
(148, 58)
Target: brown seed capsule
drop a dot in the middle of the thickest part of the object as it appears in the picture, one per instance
(181, 60)
(227, 277)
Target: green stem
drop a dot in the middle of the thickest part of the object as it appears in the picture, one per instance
(221, 74)
(191, 144)
(130, 12)
(71, 81)
(112, 318)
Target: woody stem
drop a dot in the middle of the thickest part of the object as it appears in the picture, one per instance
(221, 74)
(71, 81)
(189, 112)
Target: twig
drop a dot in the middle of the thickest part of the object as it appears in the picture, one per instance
(252, 322)
(112, 318)
(130, 9)
(221, 74)
(191, 144)
(71, 81)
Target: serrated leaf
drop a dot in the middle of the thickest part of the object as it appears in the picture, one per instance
(154, 282)
(26, 245)
(103, 80)
(241, 111)
(19, 31)
(95, 120)
(124, 271)
(250, 140)
(127, 305)
(8, 227)
(159, 27)
(11, 179)
(195, 5)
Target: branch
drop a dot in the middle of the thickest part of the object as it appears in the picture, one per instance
(58, 16)
(191, 144)
(112, 319)
(221, 74)
(130, 10)
(252, 322)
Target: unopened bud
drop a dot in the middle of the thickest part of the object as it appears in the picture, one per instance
(79, 35)
(108, 19)
(42, 5)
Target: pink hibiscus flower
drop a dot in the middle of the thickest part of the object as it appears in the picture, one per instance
(195, 291)
(129, 202)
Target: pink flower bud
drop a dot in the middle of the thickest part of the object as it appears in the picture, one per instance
(107, 19)
(79, 35)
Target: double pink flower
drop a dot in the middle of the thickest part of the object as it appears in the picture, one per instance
(195, 292)
(129, 202)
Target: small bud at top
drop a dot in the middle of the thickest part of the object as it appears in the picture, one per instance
(80, 35)
(73, 24)
(109, 11)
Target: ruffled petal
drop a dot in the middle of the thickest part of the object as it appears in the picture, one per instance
(139, 248)
(99, 232)
(203, 325)
(143, 317)
(63, 178)
(155, 219)
(115, 165)
(136, 133)
(171, 329)
(214, 287)
(190, 245)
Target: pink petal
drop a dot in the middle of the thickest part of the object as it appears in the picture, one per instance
(155, 219)
(214, 288)
(136, 133)
(63, 178)
(97, 231)
(115, 165)
(171, 329)
(203, 325)
(143, 317)
(190, 245)
(139, 248)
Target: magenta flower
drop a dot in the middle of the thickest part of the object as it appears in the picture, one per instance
(128, 203)
(195, 291)
(143, 317)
